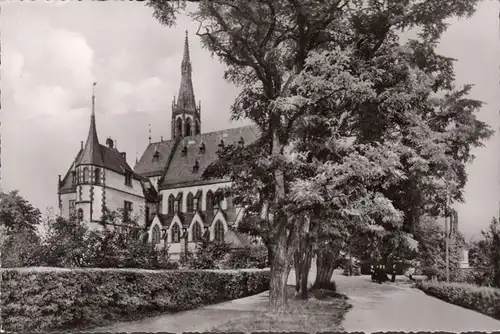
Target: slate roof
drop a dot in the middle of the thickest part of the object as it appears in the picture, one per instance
(148, 165)
(180, 170)
(66, 184)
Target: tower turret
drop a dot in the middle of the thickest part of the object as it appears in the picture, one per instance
(185, 113)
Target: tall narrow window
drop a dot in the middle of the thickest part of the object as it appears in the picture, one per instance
(97, 176)
(80, 215)
(176, 233)
(171, 204)
(73, 178)
(128, 178)
(71, 207)
(210, 201)
(155, 238)
(188, 127)
(179, 127)
(196, 205)
(127, 210)
(219, 231)
(197, 234)
(197, 129)
(85, 174)
(189, 202)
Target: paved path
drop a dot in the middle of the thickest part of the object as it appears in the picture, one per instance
(398, 307)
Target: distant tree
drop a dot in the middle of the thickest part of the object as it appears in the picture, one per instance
(484, 253)
(19, 239)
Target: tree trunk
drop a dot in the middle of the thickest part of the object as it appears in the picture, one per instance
(280, 269)
(326, 263)
(306, 267)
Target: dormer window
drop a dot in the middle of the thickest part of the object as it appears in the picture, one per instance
(241, 142)
(202, 148)
(73, 177)
(184, 151)
(156, 156)
(196, 167)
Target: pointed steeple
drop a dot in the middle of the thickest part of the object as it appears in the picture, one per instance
(92, 151)
(186, 100)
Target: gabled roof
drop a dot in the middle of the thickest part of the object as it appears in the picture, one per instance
(180, 170)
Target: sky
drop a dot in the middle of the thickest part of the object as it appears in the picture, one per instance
(52, 52)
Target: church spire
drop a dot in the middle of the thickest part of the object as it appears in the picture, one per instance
(92, 151)
(185, 113)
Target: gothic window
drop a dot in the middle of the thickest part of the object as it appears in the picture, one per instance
(179, 126)
(196, 204)
(176, 233)
(80, 215)
(171, 203)
(73, 177)
(219, 231)
(85, 175)
(197, 235)
(210, 200)
(189, 202)
(97, 176)
(155, 238)
(188, 127)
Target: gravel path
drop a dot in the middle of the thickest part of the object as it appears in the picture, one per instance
(398, 307)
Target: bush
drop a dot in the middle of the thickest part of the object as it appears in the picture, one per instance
(208, 254)
(254, 256)
(43, 299)
(485, 300)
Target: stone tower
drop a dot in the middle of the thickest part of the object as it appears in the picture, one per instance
(89, 174)
(186, 120)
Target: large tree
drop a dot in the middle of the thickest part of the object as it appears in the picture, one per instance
(339, 63)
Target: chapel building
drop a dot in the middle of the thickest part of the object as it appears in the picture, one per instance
(165, 189)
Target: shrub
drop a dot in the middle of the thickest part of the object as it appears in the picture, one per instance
(43, 299)
(254, 256)
(485, 300)
(208, 254)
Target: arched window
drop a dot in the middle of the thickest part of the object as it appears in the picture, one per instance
(197, 234)
(219, 231)
(80, 215)
(179, 126)
(188, 127)
(97, 176)
(210, 200)
(189, 202)
(155, 238)
(171, 203)
(85, 174)
(196, 204)
(176, 233)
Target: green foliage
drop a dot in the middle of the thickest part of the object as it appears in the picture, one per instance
(481, 299)
(45, 299)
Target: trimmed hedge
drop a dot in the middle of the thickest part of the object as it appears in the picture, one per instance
(42, 299)
(485, 300)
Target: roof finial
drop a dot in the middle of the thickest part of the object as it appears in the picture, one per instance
(150, 133)
(93, 97)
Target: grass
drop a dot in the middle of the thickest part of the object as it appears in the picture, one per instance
(324, 310)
